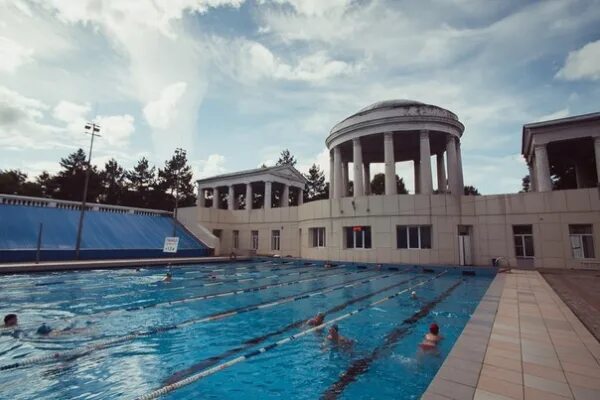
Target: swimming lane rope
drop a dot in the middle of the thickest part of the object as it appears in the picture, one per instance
(77, 352)
(184, 382)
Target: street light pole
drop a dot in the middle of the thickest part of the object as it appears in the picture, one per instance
(91, 129)
(176, 203)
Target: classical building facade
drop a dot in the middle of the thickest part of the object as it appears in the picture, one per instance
(436, 224)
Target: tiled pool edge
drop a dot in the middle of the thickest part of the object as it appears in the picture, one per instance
(457, 378)
(535, 349)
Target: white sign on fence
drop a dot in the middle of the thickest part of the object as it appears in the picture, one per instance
(171, 244)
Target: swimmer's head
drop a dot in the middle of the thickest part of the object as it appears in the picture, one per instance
(413, 294)
(10, 320)
(44, 330)
(434, 328)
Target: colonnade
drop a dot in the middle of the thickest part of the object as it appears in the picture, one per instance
(539, 168)
(233, 204)
(449, 178)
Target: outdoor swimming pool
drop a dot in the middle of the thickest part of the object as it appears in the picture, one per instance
(125, 333)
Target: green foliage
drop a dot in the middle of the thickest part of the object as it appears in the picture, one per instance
(143, 186)
(286, 158)
(378, 184)
(315, 188)
(471, 191)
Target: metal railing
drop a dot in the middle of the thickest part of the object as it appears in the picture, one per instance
(10, 199)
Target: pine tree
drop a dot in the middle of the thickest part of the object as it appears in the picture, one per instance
(286, 158)
(525, 184)
(113, 183)
(142, 180)
(71, 179)
(378, 185)
(315, 187)
(471, 191)
(176, 178)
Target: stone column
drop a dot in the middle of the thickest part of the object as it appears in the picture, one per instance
(425, 157)
(301, 196)
(453, 183)
(248, 199)
(337, 172)
(461, 179)
(344, 179)
(268, 197)
(532, 186)
(367, 177)
(200, 202)
(284, 201)
(231, 198)
(357, 161)
(215, 197)
(390, 163)
(417, 177)
(597, 151)
(542, 169)
(331, 176)
(441, 173)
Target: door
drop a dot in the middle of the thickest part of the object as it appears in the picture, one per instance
(465, 254)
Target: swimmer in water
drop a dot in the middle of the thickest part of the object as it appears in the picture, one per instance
(46, 330)
(316, 320)
(413, 295)
(334, 337)
(168, 277)
(10, 320)
(432, 338)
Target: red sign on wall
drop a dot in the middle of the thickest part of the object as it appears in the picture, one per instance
(357, 228)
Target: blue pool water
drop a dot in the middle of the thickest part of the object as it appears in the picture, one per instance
(88, 307)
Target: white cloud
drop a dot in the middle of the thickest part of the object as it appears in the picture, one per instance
(160, 113)
(213, 165)
(582, 64)
(116, 130)
(256, 62)
(555, 115)
(312, 7)
(13, 55)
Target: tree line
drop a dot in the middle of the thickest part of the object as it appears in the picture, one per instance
(146, 186)
(143, 186)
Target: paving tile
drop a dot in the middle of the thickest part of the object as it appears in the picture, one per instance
(433, 396)
(547, 385)
(583, 381)
(457, 375)
(536, 394)
(502, 362)
(513, 355)
(468, 365)
(551, 362)
(503, 388)
(544, 372)
(585, 394)
(481, 394)
(581, 369)
(451, 389)
(502, 374)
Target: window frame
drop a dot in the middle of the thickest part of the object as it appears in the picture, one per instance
(236, 239)
(522, 239)
(254, 239)
(276, 240)
(365, 237)
(405, 230)
(317, 237)
(580, 237)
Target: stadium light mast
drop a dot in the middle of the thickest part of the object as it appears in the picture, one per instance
(90, 129)
(176, 203)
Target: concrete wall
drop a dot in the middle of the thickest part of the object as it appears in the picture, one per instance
(491, 218)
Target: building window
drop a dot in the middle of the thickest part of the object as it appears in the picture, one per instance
(582, 241)
(413, 237)
(218, 232)
(358, 237)
(236, 239)
(275, 236)
(254, 238)
(317, 237)
(523, 237)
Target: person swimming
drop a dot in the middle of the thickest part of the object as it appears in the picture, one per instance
(168, 277)
(316, 320)
(413, 295)
(432, 338)
(334, 337)
(10, 320)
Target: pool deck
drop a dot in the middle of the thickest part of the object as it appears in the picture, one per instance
(46, 266)
(522, 342)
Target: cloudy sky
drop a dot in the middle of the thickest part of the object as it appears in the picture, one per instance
(236, 81)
